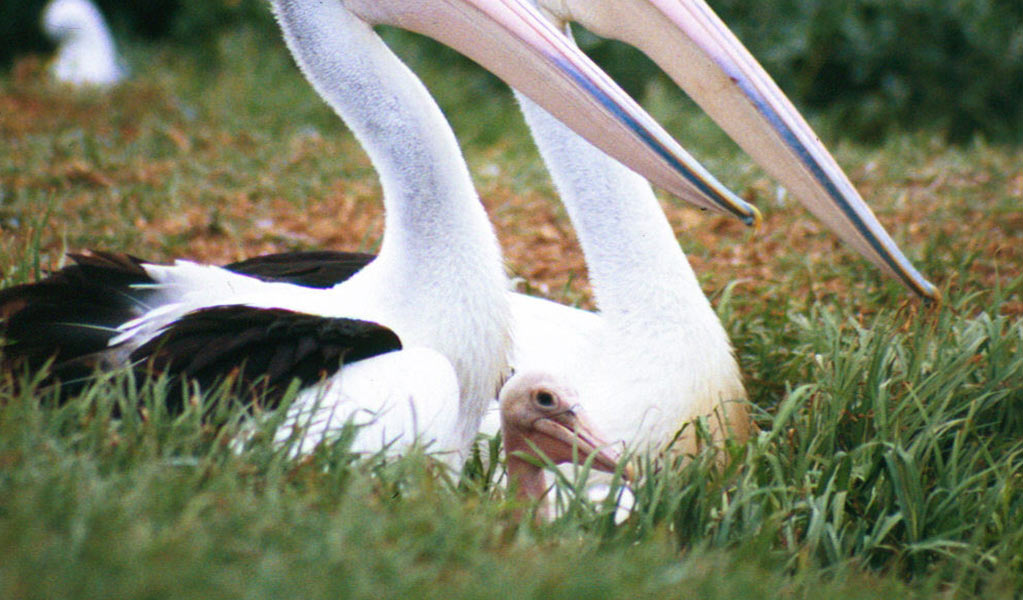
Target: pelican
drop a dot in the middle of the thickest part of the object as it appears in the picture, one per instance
(655, 356)
(86, 53)
(425, 326)
(542, 420)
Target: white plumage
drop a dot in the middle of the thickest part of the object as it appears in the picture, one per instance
(418, 287)
(86, 53)
(438, 282)
(655, 356)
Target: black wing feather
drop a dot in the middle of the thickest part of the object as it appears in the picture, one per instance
(71, 315)
(318, 269)
(264, 350)
(73, 312)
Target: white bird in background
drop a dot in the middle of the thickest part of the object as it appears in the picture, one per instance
(425, 325)
(86, 53)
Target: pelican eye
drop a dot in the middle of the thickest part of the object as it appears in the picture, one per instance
(545, 399)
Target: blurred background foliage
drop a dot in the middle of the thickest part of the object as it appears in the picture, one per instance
(871, 66)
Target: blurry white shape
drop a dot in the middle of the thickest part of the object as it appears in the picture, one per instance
(86, 54)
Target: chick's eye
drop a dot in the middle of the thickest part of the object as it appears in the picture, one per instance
(545, 399)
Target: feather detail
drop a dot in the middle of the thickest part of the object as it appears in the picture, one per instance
(262, 350)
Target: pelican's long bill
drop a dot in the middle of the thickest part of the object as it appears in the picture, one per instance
(514, 41)
(697, 50)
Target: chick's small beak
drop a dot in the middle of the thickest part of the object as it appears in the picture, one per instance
(570, 436)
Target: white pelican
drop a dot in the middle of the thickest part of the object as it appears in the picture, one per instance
(437, 288)
(655, 355)
(656, 341)
(543, 420)
(86, 53)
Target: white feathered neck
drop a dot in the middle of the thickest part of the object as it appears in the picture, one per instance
(439, 270)
(662, 356)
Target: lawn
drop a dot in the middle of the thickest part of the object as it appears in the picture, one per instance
(888, 462)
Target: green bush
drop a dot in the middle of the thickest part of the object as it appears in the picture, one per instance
(878, 65)
(193, 24)
(884, 64)
(19, 28)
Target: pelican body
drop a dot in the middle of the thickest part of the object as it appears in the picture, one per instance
(655, 356)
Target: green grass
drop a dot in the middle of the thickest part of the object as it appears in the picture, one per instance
(891, 445)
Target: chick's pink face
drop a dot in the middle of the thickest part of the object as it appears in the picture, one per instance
(547, 415)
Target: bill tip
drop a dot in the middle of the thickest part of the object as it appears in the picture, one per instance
(753, 218)
(930, 293)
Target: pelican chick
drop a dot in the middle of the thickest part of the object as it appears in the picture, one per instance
(541, 419)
